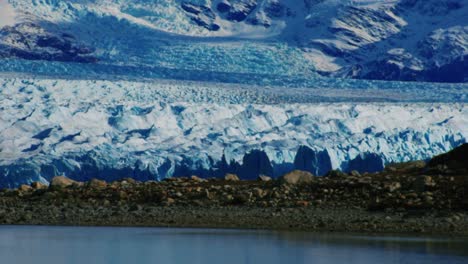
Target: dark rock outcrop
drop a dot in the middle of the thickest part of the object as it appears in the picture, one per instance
(201, 15)
(32, 42)
(237, 10)
(452, 72)
(456, 160)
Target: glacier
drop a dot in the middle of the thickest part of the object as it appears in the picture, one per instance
(398, 40)
(158, 128)
(154, 89)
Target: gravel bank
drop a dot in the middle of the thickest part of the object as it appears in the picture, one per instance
(412, 197)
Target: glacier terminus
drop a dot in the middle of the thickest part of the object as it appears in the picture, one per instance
(151, 130)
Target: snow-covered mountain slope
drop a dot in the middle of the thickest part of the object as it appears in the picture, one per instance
(156, 129)
(425, 40)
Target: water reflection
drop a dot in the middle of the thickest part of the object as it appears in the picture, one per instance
(25, 244)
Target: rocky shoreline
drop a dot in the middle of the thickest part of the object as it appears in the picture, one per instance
(414, 197)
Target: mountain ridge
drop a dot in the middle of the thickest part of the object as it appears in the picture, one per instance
(405, 40)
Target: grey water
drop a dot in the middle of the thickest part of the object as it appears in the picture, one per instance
(53, 245)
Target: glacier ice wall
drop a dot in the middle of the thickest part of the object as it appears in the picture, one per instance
(158, 129)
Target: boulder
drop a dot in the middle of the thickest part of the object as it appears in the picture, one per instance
(62, 182)
(97, 184)
(25, 188)
(128, 181)
(196, 178)
(297, 177)
(231, 177)
(302, 203)
(393, 186)
(259, 193)
(264, 178)
(38, 185)
(170, 201)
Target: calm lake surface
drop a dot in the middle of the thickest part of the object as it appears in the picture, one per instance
(54, 245)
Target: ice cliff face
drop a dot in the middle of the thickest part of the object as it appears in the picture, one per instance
(417, 40)
(152, 130)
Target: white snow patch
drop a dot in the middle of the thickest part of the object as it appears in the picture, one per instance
(7, 14)
(321, 61)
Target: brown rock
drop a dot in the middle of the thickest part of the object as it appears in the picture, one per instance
(258, 192)
(393, 186)
(128, 180)
(264, 178)
(25, 188)
(302, 203)
(196, 178)
(297, 177)
(97, 184)
(38, 185)
(231, 177)
(170, 201)
(62, 182)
